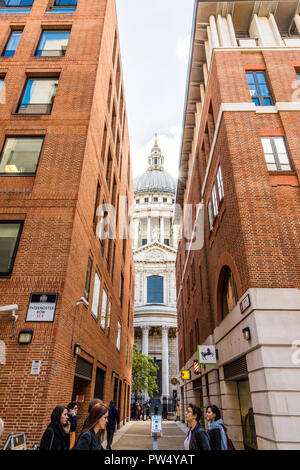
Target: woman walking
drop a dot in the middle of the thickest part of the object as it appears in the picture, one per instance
(216, 429)
(93, 432)
(72, 414)
(197, 438)
(57, 434)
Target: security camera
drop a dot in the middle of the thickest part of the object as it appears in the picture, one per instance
(9, 308)
(84, 301)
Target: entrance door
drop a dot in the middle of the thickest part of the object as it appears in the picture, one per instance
(247, 415)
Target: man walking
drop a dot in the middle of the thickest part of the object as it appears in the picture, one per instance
(113, 419)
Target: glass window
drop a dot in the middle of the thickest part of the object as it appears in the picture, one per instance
(1, 82)
(220, 183)
(165, 199)
(53, 44)
(10, 232)
(167, 241)
(155, 290)
(259, 88)
(121, 289)
(103, 309)
(210, 217)
(119, 336)
(215, 201)
(20, 155)
(276, 154)
(155, 199)
(146, 200)
(38, 96)
(18, 3)
(298, 75)
(88, 279)
(109, 317)
(64, 6)
(247, 415)
(12, 44)
(144, 241)
(229, 293)
(96, 295)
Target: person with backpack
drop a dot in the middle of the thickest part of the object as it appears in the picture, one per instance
(57, 434)
(217, 433)
(93, 432)
(196, 438)
(113, 419)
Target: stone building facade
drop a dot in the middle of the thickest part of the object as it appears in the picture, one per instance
(240, 161)
(62, 156)
(155, 245)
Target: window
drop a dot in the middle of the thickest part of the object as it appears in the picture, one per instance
(109, 317)
(121, 288)
(214, 201)
(155, 199)
(103, 309)
(210, 217)
(137, 201)
(99, 384)
(20, 155)
(12, 44)
(298, 74)
(155, 290)
(144, 241)
(10, 233)
(119, 336)
(229, 292)
(64, 6)
(167, 241)
(165, 199)
(17, 3)
(88, 279)
(276, 154)
(38, 96)
(97, 207)
(220, 183)
(259, 89)
(53, 44)
(96, 295)
(146, 200)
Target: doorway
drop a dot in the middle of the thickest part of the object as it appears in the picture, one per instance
(247, 415)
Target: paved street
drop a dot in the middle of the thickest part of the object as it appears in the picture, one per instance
(135, 435)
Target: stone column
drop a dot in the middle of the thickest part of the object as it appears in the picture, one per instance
(165, 361)
(231, 31)
(162, 229)
(297, 22)
(149, 230)
(136, 233)
(214, 32)
(145, 348)
(175, 236)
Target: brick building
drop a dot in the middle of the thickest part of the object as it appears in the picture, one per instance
(240, 159)
(65, 151)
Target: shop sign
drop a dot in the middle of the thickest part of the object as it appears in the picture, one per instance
(185, 375)
(41, 308)
(207, 355)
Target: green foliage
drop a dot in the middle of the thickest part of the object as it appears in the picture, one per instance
(144, 373)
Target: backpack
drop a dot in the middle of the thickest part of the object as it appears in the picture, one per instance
(230, 445)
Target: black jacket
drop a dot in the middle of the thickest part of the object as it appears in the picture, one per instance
(199, 439)
(214, 436)
(55, 438)
(88, 441)
(113, 417)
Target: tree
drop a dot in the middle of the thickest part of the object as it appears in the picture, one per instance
(144, 373)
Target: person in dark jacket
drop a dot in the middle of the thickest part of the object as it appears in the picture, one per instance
(197, 438)
(216, 429)
(93, 433)
(57, 434)
(113, 419)
(72, 414)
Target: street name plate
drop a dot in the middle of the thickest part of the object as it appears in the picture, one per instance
(36, 367)
(41, 307)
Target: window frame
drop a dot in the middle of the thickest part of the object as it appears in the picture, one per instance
(12, 31)
(275, 154)
(45, 104)
(260, 96)
(214, 199)
(210, 216)
(96, 315)
(88, 278)
(13, 258)
(163, 293)
(119, 335)
(38, 161)
(51, 31)
(220, 183)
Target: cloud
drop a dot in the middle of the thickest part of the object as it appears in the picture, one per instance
(170, 147)
(183, 48)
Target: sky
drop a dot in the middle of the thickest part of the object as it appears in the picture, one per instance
(155, 43)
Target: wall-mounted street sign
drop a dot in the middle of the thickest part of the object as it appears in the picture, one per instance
(41, 308)
(36, 367)
(185, 375)
(207, 355)
(245, 303)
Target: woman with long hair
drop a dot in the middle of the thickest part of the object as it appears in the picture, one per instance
(216, 429)
(93, 432)
(57, 434)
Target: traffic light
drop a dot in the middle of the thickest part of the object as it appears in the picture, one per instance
(196, 367)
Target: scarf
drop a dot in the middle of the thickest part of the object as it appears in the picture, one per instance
(219, 425)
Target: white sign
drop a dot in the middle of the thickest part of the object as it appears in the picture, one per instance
(41, 308)
(207, 355)
(156, 424)
(36, 367)
(245, 303)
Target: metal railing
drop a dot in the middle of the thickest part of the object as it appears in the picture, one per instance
(50, 53)
(35, 108)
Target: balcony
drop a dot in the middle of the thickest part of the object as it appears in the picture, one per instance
(35, 108)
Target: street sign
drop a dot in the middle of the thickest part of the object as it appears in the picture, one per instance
(245, 303)
(156, 424)
(41, 308)
(207, 354)
(36, 367)
(185, 375)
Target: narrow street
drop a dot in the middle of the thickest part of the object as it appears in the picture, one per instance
(136, 435)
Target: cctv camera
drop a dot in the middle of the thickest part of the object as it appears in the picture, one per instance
(84, 301)
(9, 308)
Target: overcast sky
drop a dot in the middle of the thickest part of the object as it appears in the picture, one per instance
(155, 42)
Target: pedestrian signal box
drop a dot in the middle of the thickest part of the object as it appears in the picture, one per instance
(185, 375)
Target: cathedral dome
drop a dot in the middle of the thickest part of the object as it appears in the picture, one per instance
(155, 179)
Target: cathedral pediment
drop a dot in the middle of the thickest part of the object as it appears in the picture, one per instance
(155, 252)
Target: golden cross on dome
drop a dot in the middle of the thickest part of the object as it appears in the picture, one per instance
(155, 139)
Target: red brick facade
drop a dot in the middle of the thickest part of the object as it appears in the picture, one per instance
(58, 208)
